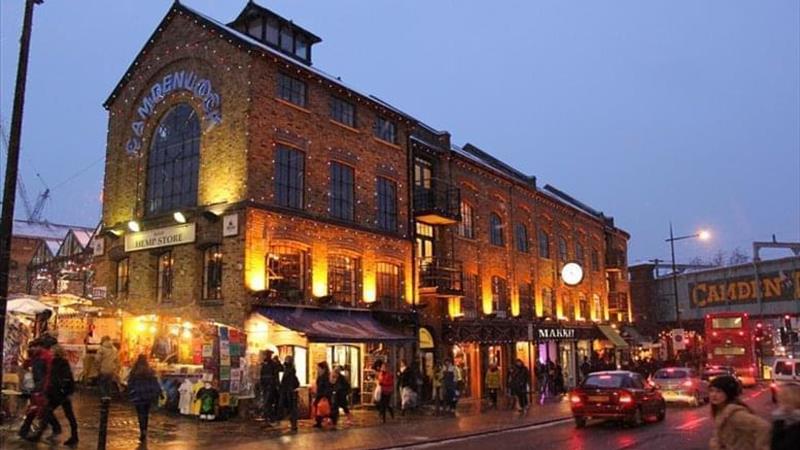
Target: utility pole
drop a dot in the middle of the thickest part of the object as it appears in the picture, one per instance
(10, 189)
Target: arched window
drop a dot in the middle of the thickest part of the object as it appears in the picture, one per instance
(496, 229)
(521, 237)
(173, 162)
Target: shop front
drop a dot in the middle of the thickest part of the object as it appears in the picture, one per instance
(564, 348)
(350, 339)
(612, 347)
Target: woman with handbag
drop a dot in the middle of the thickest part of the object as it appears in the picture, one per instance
(386, 385)
(324, 396)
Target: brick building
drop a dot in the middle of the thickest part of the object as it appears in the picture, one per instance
(49, 258)
(245, 187)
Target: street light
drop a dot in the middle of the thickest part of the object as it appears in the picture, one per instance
(703, 235)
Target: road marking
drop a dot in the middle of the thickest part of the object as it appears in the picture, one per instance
(691, 424)
(454, 440)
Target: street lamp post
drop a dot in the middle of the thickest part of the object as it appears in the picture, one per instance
(702, 235)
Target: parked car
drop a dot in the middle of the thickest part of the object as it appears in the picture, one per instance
(681, 384)
(784, 370)
(618, 395)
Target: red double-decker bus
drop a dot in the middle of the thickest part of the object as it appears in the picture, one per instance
(729, 343)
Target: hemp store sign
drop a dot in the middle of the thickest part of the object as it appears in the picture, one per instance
(160, 237)
(178, 81)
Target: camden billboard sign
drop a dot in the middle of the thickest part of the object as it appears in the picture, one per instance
(783, 285)
(160, 237)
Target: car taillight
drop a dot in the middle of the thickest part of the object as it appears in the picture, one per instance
(688, 383)
(574, 398)
(625, 398)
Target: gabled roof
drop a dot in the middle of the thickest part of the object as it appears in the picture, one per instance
(252, 43)
(44, 230)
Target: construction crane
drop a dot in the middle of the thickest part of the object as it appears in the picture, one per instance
(34, 213)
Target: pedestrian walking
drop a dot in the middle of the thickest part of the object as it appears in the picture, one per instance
(143, 391)
(437, 388)
(386, 384)
(586, 368)
(40, 362)
(269, 380)
(407, 384)
(62, 386)
(520, 378)
(736, 427)
(559, 379)
(450, 383)
(288, 391)
(323, 399)
(108, 366)
(341, 393)
(786, 418)
(493, 384)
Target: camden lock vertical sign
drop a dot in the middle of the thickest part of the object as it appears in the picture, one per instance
(178, 81)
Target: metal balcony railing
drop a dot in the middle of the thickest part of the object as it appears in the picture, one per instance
(441, 276)
(440, 205)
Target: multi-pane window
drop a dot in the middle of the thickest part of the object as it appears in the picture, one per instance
(466, 228)
(526, 305)
(562, 249)
(595, 260)
(385, 130)
(423, 174)
(544, 244)
(212, 273)
(343, 112)
(583, 307)
(471, 300)
(579, 254)
(272, 31)
(495, 230)
(499, 296)
(387, 204)
(123, 276)
(286, 272)
(342, 279)
(598, 307)
(164, 274)
(292, 90)
(289, 177)
(342, 191)
(548, 303)
(174, 161)
(567, 306)
(521, 237)
(286, 39)
(388, 289)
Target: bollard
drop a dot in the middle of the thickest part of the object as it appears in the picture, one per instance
(105, 402)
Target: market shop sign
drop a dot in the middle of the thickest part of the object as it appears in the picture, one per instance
(160, 237)
(179, 81)
(550, 334)
(776, 286)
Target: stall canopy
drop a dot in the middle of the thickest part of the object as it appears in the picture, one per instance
(321, 325)
(26, 305)
(613, 336)
(637, 337)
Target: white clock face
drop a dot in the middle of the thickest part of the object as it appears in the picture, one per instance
(572, 274)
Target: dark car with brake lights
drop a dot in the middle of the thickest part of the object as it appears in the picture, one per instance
(617, 395)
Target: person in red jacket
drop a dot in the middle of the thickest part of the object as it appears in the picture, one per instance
(40, 363)
(386, 382)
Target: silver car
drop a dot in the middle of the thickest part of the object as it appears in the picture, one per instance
(681, 384)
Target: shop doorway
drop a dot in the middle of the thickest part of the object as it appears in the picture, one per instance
(348, 357)
(567, 363)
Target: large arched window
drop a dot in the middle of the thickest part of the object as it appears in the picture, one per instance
(174, 160)
(496, 230)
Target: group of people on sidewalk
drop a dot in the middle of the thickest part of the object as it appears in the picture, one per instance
(50, 384)
(279, 393)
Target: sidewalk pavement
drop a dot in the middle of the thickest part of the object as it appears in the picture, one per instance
(169, 431)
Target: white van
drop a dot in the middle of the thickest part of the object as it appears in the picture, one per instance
(784, 370)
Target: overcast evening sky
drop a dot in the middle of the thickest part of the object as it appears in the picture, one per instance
(650, 111)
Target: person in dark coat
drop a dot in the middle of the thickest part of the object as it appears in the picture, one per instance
(269, 381)
(62, 386)
(786, 418)
(288, 391)
(518, 384)
(341, 393)
(324, 391)
(143, 391)
(40, 361)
